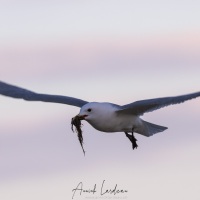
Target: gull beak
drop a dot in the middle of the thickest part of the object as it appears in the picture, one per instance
(81, 117)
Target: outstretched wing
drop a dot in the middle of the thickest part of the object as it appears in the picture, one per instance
(20, 93)
(143, 106)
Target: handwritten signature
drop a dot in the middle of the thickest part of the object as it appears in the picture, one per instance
(79, 189)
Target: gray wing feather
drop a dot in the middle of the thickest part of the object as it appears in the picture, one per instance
(143, 106)
(20, 93)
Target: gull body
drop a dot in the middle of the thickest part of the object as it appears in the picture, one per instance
(103, 117)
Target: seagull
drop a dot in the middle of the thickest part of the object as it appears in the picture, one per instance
(105, 116)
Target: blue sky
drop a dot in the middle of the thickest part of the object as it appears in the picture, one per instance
(115, 51)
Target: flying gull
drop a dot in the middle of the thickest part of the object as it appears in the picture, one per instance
(104, 116)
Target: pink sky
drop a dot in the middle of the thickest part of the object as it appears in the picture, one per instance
(100, 51)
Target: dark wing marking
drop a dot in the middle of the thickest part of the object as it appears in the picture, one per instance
(20, 93)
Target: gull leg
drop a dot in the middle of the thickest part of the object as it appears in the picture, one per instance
(132, 139)
(134, 143)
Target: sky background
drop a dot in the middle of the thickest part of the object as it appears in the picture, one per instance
(108, 51)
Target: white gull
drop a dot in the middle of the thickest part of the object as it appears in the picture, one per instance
(107, 117)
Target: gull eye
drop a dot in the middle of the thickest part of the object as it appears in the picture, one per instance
(89, 110)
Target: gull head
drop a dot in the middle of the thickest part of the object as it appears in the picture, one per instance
(95, 111)
(89, 111)
(101, 116)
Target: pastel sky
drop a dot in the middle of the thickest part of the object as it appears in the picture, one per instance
(115, 51)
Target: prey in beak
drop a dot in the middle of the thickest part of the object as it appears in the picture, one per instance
(76, 121)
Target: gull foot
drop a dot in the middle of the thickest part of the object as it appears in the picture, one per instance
(132, 139)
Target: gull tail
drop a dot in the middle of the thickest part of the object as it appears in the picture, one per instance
(150, 129)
